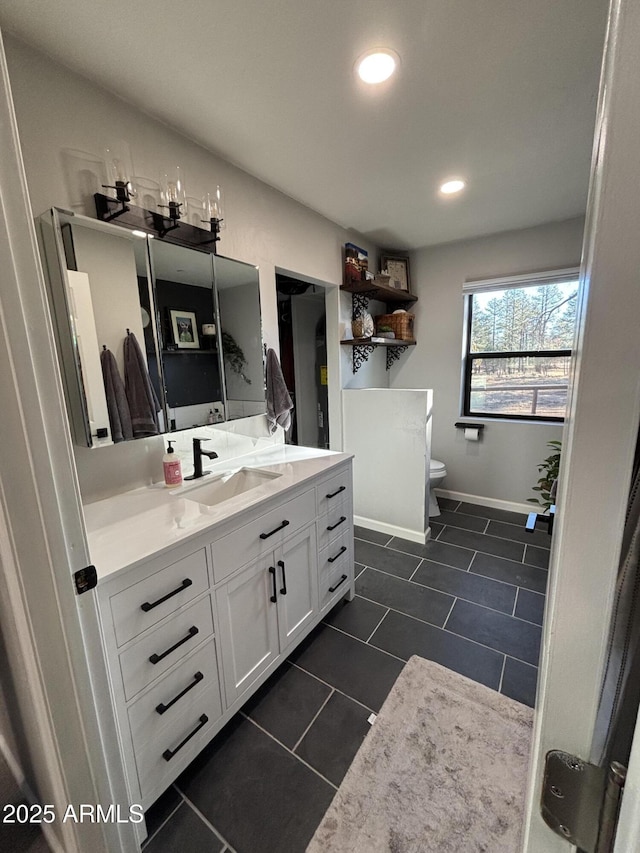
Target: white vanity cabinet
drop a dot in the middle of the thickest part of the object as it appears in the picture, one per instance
(158, 628)
(192, 632)
(265, 608)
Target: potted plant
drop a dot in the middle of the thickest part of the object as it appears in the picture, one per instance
(234, 356)
(549, 470)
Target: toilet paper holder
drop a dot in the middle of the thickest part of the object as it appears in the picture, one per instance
(472, 432)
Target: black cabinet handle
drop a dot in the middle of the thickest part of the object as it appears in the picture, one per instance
(338, 523)
(157, 658)
(284, 578)
(272, 572)
(148, 606)
(169, 753)
(197, 678)
(275, 530)
(333, 494)
(340, 552)
(340, 582)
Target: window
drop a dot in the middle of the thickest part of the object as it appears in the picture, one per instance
(519, 335)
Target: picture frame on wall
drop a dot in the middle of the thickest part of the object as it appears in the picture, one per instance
(184, 328)
(397, 268)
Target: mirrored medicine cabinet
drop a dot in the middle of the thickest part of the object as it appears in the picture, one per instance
(194, 315)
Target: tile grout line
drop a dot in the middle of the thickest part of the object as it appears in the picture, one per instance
(315, 717)
(150, 838)
(295, 755)
(449, 614)
(206, 821)
(504, 663)
(400, 613)
(390, 654)
(331, 687)
(410, 579)
(515, 601)
(378, 625)
(440, 591)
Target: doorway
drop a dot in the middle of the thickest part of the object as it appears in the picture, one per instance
(302, 331)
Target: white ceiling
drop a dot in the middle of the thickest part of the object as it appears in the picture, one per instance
(500, 92)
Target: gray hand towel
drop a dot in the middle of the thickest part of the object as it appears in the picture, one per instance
(117, 405)
(279, 405)
(143, 402)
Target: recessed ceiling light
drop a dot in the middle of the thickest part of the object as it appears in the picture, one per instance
(377, 65)
(451, 187)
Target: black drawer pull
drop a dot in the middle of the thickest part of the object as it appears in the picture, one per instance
(333, 494)
(284, 578)
(148, 606)
(340, 582)
(275, 530)
(157, 658)
(340, 552)
(338, 523)
(272, 572)
(169, 753)
(161, 708)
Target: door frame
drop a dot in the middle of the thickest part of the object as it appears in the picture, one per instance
(599, 439)
(52, 636)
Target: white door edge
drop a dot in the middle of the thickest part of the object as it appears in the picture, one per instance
(600, 434)
(51, 635)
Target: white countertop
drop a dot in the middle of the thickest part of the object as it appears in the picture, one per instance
(125, 529)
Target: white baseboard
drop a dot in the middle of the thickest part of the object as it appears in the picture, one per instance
(393, 529)
(495, 503)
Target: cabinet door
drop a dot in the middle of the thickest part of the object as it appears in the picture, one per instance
(248, 627)
(297, 576)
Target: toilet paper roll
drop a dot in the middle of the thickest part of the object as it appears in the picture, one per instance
(471, 433)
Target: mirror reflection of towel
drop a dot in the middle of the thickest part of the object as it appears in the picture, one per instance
(279, 404)
(117, 404)
(143, 403)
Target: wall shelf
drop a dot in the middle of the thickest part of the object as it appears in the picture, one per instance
(363, 347)
(371, 290)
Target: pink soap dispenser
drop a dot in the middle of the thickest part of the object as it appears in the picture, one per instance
(172, 467)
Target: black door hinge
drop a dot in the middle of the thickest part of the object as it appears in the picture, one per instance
(580, 801)
(85, 579)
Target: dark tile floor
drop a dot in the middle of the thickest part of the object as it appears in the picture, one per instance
(471, 599)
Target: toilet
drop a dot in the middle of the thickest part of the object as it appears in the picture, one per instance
(437, 473)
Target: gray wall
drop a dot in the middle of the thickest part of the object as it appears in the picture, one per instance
(503, 464)
(65, 121)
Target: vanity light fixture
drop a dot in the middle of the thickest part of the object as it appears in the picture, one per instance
(119, 169)
(453, 186)
(376, 66)
(174, 194)
(212, 211)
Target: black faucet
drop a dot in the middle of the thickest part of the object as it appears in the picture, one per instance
(198, 453)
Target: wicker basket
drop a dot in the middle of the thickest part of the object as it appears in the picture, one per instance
(400, 324)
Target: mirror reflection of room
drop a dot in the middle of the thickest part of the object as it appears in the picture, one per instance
(185, 304)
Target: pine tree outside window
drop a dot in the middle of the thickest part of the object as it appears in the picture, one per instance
(519, 335)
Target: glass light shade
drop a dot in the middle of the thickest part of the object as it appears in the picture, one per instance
(213, 207)
(173, 187)
(119, 166)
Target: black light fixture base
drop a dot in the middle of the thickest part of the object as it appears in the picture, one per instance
(153, 222)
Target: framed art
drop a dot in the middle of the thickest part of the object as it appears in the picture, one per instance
(185, 329)
(398, 271)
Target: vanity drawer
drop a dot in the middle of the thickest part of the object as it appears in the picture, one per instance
(262, 535)
(334, 523)
(161, 760)
(153, 655)
(177, 693)
(335, 562)
(333, 491)
(142, 605)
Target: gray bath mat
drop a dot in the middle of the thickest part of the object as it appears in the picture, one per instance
(443, 770)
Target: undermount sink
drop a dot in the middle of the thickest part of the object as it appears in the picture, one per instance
(214, 491)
